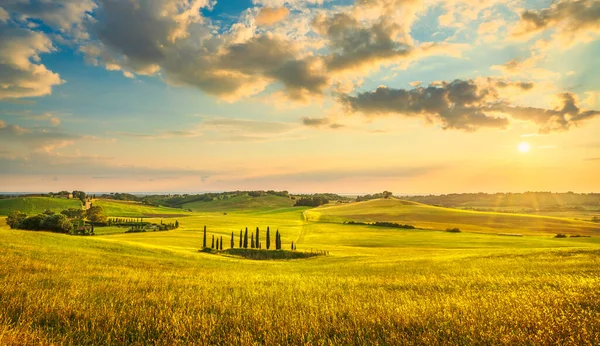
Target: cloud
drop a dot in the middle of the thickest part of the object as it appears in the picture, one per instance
(268, 16)
(46, 140)
(4, 16)
(338, 174)
(227, 129)
(21, 73)
(242, 60)
(561, 118)
(467, 105)
(354, 45)
(320, 122)
(41, 163)
(571, 20)
(65, 15)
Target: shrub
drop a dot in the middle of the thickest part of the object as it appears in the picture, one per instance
(453, 230)
(560, 235)
(15, 218)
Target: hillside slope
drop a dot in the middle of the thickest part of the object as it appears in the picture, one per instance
(136, 209)
(426, 216)
(242, 203)
(36, 205)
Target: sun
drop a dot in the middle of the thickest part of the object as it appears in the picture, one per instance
(524, 147)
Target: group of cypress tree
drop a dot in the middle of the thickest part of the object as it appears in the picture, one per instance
(255, 242)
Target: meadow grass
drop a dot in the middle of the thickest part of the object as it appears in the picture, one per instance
(135, 209)
(427, 216)
(37, 205)
(242, 203)
(378, 286)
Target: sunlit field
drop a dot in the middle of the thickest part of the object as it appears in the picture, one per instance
(378, 285)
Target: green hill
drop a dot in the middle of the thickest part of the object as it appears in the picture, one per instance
(136, 209)
(242, 204)
(426, 216)
(36, 205)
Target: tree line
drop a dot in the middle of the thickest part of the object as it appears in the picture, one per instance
(245, 240)
(80, 222)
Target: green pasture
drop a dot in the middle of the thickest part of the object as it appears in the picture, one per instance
(114, 208)
(37, 205)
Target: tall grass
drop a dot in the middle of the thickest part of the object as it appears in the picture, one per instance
(67, 290)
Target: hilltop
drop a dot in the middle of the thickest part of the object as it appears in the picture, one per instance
(440, 218)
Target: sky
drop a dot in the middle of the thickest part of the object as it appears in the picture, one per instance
(410, 96)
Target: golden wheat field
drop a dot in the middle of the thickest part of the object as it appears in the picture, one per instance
(377, 286)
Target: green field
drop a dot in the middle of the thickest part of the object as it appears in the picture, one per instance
(135, 209)
(36, 205)
(431, 217)
(378, 285)
(242, 203)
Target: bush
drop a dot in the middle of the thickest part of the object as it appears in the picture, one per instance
(15, 218)
(453, 230)
(560, 235)
(47, 221)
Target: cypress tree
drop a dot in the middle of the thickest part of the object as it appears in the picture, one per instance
(292, 246)
(246, 238)
(204, 242)
(257, 237)
(217, 243)
(221, 243)
(176, 224)
(232, 239)
(277, 240)
(213, 242)
(241, 239)
(268, 238)
(252, 241)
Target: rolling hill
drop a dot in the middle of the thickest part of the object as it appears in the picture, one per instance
(136, 209)
(431, 217)
(36, 205)
(242, 204)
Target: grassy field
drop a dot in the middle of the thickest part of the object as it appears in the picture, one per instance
(426, 216)
(242, 203)
(378, 285)
(36, 205)
(135, 209)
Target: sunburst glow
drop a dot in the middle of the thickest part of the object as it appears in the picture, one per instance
(524, 147)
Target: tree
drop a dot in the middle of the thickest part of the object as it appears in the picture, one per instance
(268, 238)
(57, 223)
(217, 243)
(96, 214)
(15, 218)
(277, 245)
(176, 224)
(292, 246)
(221, 243)
(246, 238)
(204, 242)
(213, 242)
(73, 213)
(232, 240)
(387, 194)
(79, 195)
(257, 237)
(252, 241)
(241, 239)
